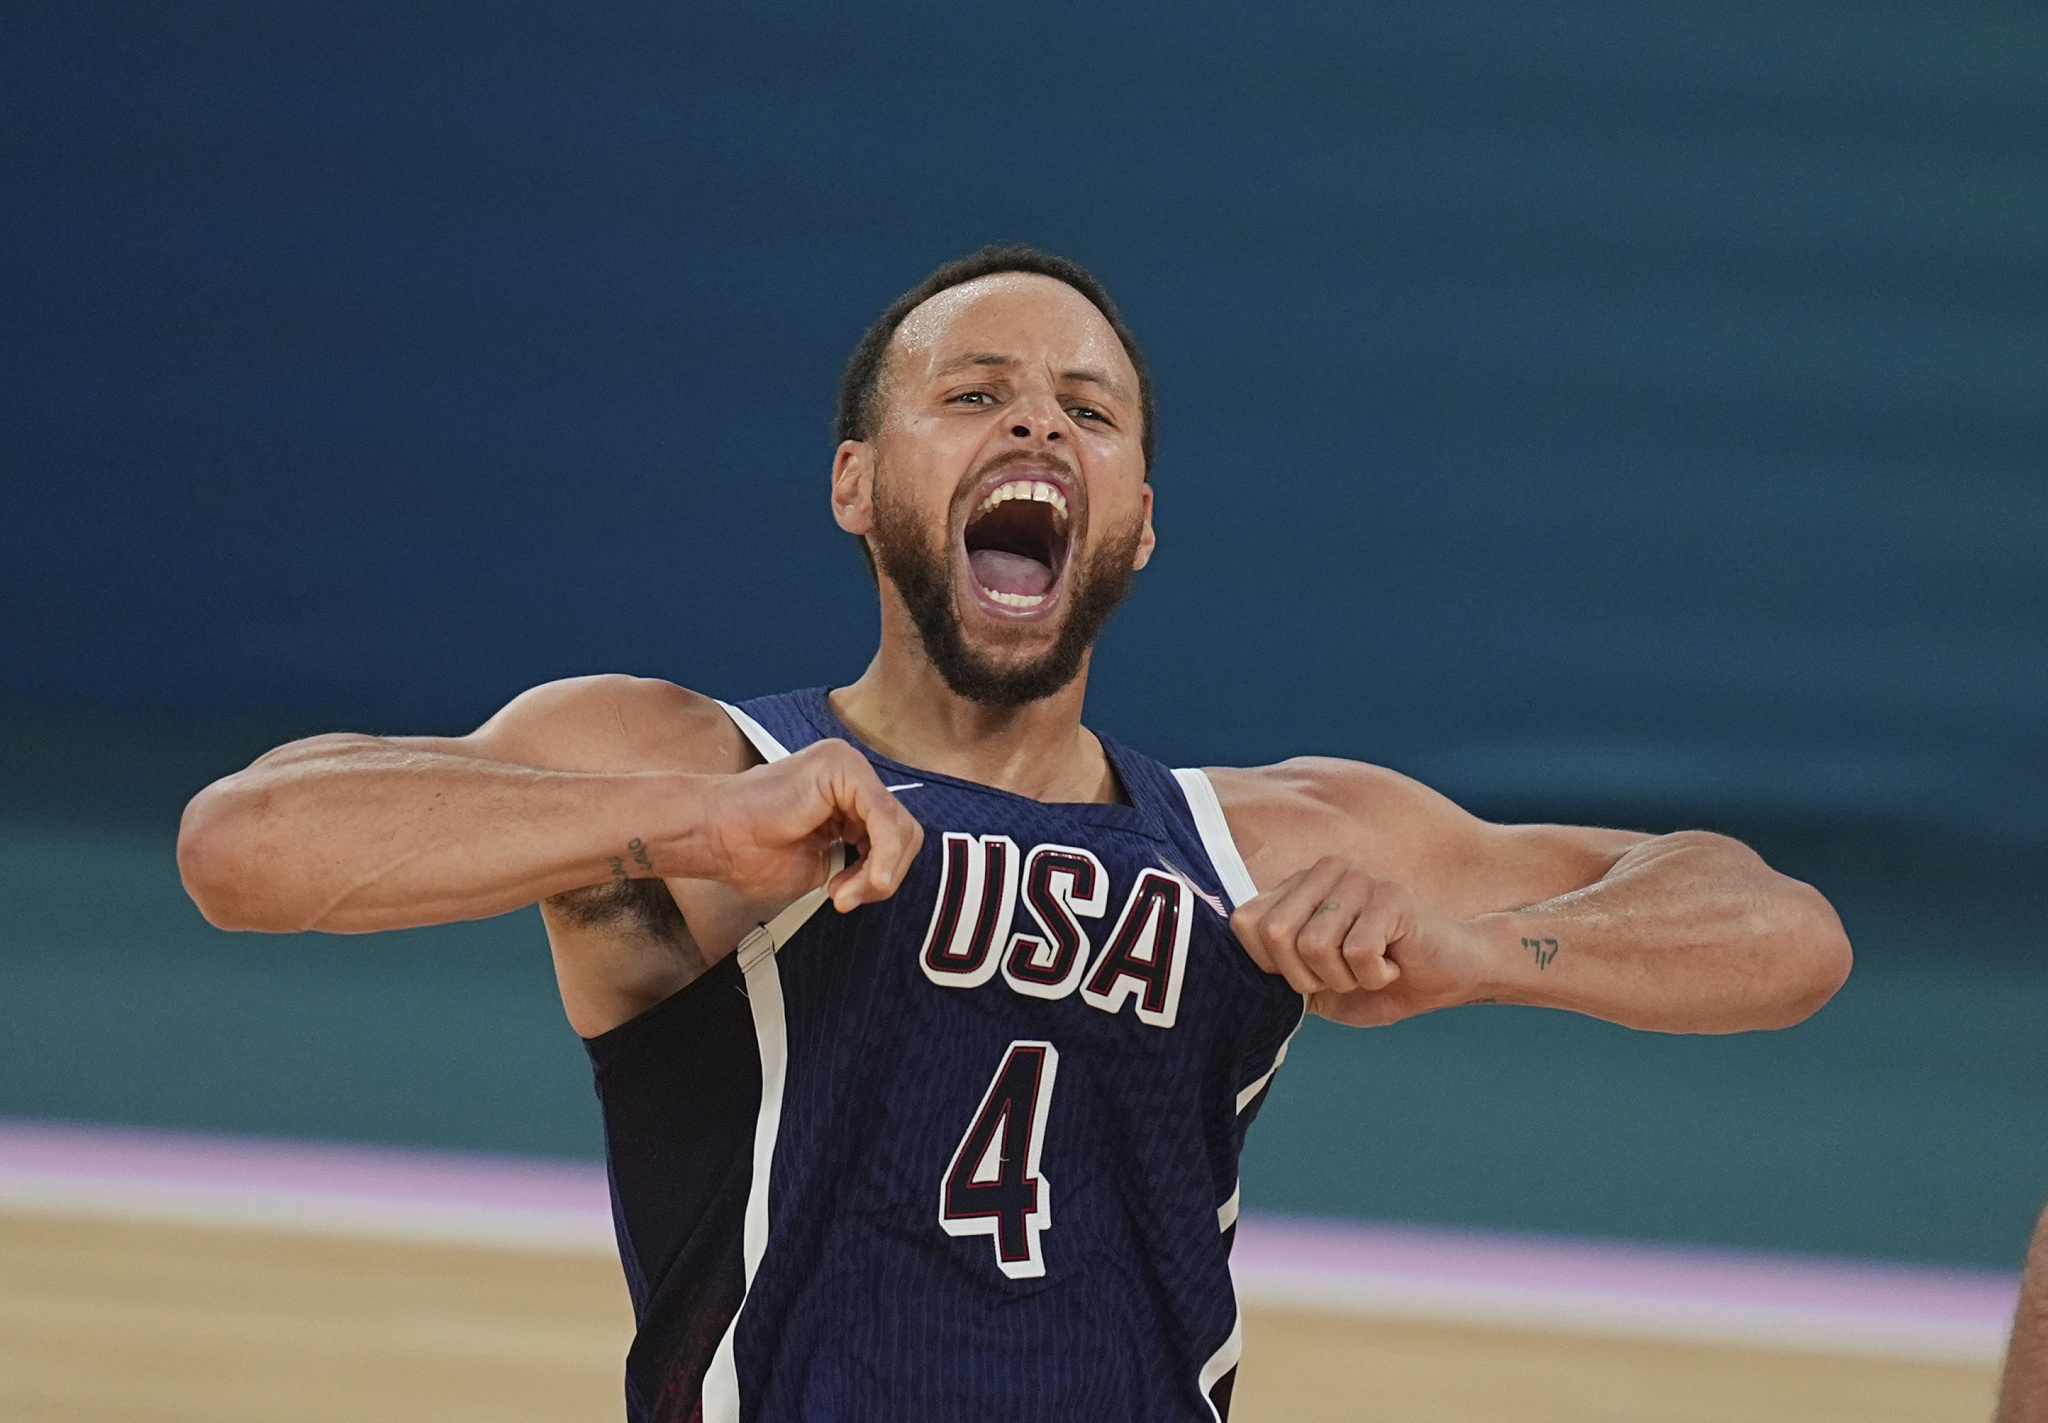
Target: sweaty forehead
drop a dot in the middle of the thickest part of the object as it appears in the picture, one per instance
(1021, 315)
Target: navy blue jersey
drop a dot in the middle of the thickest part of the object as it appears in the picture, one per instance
(967, 1153)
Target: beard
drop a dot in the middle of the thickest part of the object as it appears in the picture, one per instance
(922, 574)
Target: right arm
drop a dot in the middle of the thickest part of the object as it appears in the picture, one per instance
(578, 783)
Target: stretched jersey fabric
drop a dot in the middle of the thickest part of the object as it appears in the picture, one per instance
(967, 1153)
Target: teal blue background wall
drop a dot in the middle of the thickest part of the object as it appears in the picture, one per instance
(1623, 412)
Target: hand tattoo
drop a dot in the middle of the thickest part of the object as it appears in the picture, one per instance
(1544, 949)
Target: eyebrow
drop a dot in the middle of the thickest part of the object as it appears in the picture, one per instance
(1087, 375)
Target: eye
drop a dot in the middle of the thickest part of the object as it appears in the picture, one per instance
(972, 397)
(1088, 412)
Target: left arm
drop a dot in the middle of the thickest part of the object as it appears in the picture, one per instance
(1380, 899)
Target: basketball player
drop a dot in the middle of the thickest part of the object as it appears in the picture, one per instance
(2023, 1393)
(927, 1022)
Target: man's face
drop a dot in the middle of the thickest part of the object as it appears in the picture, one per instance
(1003, 492)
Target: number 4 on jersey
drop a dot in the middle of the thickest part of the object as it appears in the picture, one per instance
(992, 1186)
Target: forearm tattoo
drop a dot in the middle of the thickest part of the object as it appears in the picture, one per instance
(1544, 949)
(637, 848)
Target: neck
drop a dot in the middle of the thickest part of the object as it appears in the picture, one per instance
(903, 708)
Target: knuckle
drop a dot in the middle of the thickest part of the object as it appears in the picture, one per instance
(1318, 939)
(1364, 955)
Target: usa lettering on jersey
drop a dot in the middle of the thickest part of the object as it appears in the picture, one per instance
(982, 878)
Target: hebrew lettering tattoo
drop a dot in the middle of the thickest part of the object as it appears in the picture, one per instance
(1544, 949)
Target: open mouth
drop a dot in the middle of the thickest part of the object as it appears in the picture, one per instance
(1017, 543)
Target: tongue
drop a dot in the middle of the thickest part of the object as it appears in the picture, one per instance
(1001, 572)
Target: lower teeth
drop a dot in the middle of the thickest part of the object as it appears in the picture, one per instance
(1016, 600)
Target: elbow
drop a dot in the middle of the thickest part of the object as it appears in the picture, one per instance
(1816, 949)
(220, 859)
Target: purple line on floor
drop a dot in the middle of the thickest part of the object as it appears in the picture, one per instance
(1301, 1248)
(139, 1157)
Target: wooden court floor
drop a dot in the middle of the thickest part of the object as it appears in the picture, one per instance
(128, 1322)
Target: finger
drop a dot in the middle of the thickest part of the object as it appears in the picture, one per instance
(1365, 953)
(1281, 956)
(888, 836)
(894, 837)
(1245, 924)
(1281, 929)
(1324, 936)
(836, 888)
(1248, 922)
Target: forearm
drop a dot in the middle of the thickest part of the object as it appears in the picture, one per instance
(1686, 933)
(351, 834)
(2023, 1396)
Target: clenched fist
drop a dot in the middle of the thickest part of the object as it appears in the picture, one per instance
(1365, 950)
(771, 829)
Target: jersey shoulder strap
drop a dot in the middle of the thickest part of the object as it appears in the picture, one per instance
(770, 935)
(777, 725)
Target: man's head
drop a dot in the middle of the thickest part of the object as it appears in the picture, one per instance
(995, 433)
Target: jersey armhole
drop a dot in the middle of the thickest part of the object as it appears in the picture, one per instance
(767, 745)
(1215, 832)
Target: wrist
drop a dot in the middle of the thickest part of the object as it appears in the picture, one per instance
(661, 826)
(1519, 957)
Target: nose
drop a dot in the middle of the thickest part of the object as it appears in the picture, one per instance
(1038, 417)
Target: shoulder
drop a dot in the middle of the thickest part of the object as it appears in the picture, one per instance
(1287, 817)
(1319, 786)
(1333, 806)
(614, 722)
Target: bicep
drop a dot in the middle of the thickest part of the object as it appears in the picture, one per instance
(608, 723)
(1489, 867)
(1288, 816)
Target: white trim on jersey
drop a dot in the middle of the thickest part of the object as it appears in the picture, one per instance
(1222, 1362)
(764, 940)
(1214, 829)
(721, 1389)
(1226, 1214)
(767, 745)
(1225, 1359)
(1215, 832)
(1258, 1084)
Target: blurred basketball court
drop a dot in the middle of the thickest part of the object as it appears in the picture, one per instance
(169, 1278)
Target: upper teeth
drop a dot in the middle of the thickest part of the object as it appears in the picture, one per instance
(1038, 489)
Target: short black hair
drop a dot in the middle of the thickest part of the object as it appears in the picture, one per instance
(860, 388)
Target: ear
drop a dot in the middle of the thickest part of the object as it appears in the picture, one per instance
(1147, 540)
(853, 486)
